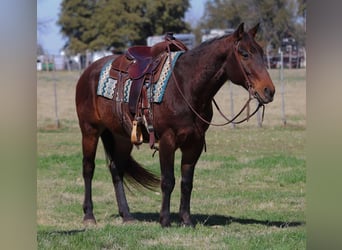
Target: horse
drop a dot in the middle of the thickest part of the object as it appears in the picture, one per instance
(180, 121)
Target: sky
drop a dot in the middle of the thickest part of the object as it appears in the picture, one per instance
(51, 39)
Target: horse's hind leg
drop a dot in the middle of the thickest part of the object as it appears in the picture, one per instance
(117, 178)
(119, 156)
(166, 158)
(89, 145)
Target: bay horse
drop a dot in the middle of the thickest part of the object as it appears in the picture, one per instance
(178, 121)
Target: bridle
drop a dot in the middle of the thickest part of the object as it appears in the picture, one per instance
(246, 106)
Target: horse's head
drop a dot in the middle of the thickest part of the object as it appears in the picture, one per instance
(250, 70)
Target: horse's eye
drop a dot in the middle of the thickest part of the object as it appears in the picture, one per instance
(244, 54)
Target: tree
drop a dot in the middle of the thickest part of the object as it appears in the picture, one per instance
(40, 50)
(77, 24)
(278, 18)
(42, 28)
(221, 14)
(103, 24)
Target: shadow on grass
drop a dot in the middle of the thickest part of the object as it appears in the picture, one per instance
(204, 219)
(218, 220)
(61, 232)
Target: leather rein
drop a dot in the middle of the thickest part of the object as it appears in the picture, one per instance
(246, 106)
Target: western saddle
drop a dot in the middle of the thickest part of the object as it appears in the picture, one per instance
(142, 65)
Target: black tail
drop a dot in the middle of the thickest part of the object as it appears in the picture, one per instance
(136, 175)
(132, 171)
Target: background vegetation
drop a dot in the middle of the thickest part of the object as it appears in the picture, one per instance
(279, 19)
(104, 24)
(117, 24)
(249, 188)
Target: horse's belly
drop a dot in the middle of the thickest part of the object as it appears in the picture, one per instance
(114, 117)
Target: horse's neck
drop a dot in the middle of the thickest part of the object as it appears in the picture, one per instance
(208, 71)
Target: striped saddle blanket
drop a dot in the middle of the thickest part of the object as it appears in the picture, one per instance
(107, 85)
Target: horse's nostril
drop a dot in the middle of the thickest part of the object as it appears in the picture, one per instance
(266, 90)
(268, 93)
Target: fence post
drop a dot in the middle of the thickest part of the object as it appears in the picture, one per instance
(282, 90)
(55, 94)
(290, 58)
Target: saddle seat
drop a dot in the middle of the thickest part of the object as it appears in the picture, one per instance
(142, 58)
(139, 53)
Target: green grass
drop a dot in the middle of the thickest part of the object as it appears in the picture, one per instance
(146, 236)
(249, 187)
(254, 201)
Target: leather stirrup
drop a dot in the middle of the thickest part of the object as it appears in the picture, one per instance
(136, 135)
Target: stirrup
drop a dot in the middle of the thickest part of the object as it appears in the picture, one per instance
(136, 135)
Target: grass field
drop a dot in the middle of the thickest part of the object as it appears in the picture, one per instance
(249, 187)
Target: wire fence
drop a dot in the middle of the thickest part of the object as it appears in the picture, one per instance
(54, 63)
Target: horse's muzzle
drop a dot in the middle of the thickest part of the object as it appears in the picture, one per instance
(266, 96)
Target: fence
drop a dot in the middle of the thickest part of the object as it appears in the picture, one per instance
(70, 63)
(54, 63)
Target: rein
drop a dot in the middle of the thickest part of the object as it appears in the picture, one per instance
(228, 121)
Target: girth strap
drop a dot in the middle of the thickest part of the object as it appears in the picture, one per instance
(148, 116)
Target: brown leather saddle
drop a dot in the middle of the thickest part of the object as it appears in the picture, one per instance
(142, 65)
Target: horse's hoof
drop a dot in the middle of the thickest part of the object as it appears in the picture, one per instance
(185, 220)
(165, 223)
(89, 222)
(129, 220)
(187, 224)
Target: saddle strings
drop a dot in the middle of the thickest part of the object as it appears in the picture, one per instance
(228, 121)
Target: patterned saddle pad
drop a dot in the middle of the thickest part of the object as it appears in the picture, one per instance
(107, 85)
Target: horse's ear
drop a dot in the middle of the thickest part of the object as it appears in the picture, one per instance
(239, 31)
(254, 30)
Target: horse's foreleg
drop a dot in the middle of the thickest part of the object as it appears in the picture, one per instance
(166, 157)
(190, 155)
(89, 144)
